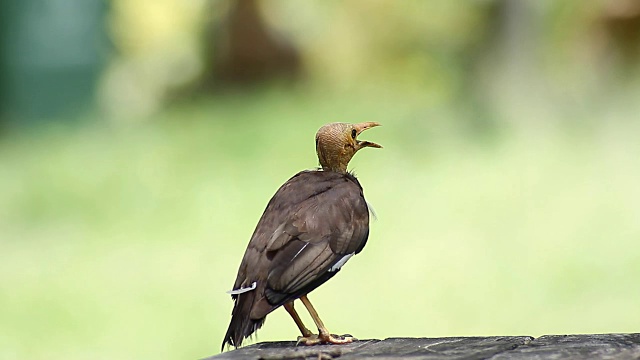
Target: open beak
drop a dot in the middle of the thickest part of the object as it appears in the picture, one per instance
(362, 127)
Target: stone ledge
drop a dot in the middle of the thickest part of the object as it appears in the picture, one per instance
(602, 346)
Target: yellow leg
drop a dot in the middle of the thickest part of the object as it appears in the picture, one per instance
(325, 337)
(296, 318)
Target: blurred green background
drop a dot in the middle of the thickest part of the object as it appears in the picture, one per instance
(141, 140)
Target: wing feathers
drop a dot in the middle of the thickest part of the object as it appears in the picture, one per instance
(310, 225)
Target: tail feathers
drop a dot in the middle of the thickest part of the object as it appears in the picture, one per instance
(241, 325)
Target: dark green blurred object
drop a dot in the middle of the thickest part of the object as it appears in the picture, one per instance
(51, 55)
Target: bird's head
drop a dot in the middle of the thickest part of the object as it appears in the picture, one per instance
(336, 144)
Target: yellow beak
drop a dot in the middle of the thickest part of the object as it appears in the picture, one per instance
(362, 127)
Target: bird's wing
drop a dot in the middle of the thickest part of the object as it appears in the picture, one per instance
(311, 245)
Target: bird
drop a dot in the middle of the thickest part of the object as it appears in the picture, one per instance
(316, 221)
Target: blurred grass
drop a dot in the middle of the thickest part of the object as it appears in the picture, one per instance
(119, 241)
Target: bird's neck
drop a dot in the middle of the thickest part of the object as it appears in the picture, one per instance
(333, 162)
(342, 169)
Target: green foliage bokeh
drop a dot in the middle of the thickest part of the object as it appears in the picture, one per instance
(506, 194)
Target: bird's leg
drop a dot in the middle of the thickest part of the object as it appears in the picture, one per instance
(296, 318)
(325, 337)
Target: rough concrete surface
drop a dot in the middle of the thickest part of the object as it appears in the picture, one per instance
(603, 346)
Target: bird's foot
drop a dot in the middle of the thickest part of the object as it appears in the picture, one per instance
(321, 339)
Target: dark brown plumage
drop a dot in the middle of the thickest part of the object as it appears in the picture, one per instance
(313, 224)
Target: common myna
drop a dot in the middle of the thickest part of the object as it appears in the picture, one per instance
(313, 224)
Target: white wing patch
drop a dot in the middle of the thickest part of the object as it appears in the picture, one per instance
(299, 251)
(341, 262)
(371, 211)
(243, 290)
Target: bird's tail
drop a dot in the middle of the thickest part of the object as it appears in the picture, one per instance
(241, 325)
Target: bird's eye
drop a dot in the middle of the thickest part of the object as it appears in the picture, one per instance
(353, 133)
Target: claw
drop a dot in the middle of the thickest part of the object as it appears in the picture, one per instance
(332, 339)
